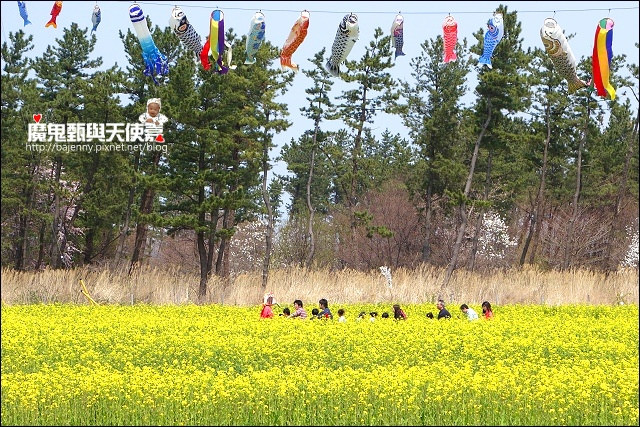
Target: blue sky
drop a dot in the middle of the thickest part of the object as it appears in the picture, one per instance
(422, 21)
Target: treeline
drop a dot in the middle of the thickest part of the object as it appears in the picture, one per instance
(525, 174)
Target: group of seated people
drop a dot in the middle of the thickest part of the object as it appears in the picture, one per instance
(443, 313)
(323, 312)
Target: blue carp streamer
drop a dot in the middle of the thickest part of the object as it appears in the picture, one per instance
(155, 62)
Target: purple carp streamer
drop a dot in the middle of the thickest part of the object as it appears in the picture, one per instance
(397, 35)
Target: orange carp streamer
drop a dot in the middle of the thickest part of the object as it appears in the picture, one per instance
(296, 37)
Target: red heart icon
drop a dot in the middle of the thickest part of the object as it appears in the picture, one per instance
(37, 117)
(159, 138)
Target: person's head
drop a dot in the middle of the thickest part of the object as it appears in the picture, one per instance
(315, 311)
(464, 308)
(440, 304)
(373, 314)
(362, 314)
(430, 315)
(323, 303)
(297, 303)
(341, 312)
(153, 106)
(385, 315)
(286, 311)
(486, 307)
(270, 300)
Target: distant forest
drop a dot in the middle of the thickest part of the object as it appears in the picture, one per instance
(526, 174)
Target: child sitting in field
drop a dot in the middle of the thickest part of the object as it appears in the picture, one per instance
(341, 314)
(373, 315)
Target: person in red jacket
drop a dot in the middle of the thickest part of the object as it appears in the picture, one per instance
(486, 310)
(267, 311)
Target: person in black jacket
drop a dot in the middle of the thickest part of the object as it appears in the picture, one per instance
(443, 312)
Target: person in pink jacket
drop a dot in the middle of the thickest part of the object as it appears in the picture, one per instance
(267, 311)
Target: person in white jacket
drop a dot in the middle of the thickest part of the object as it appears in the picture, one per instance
(470, 312)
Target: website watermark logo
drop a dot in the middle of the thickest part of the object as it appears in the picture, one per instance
(147, 135)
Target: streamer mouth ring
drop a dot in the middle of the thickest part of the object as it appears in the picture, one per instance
(184, 23)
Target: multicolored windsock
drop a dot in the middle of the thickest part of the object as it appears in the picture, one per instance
(602, 55)
(217, 45)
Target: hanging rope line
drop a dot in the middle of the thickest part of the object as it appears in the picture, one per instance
(200, 6)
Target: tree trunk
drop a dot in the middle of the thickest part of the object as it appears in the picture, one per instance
(89, 248)
(622, 189)
(471, 263)
(125, 227)
(41, 250)
(426, 243)
(223, 244)
(463, 205)
(312, 242)
(56, 252)
(267, 203)
(476, 236)
(204, 273)
(355, 156)
(20, 246)
(146, 205)
(568, 249)
(539, 200)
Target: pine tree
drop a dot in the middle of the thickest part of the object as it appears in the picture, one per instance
(374, 92)
(501, 88)
(319, 103)
(64, 72)
(434, 126)
(20, 164)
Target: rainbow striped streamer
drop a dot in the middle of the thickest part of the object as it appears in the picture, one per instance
(216, 44)
(602, 55)
(216, 40)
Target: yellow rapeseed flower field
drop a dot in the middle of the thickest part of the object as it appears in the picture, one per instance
(212, 365)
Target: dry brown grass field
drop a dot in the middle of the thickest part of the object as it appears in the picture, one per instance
(152, 285)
